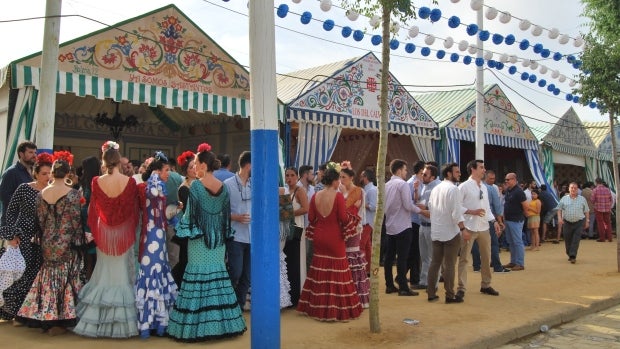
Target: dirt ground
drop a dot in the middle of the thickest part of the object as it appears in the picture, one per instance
(549, 291)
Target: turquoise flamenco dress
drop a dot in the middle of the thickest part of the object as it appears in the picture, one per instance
(206, 307)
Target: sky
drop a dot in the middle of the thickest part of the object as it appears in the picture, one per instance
(300, 46)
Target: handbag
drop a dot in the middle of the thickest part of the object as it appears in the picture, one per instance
(12, 266)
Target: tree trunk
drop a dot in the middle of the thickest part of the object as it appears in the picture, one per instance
(614, 161)
(375, 325)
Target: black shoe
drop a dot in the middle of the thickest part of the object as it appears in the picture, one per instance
(391, 289)
(476, 270)
(419, 287)
(503, 270)
(433, 298)
(460, 294)
(454, 300)
(407, 293)
(572, 260)
(489, 290)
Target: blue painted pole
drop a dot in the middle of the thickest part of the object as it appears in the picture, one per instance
(265, 251)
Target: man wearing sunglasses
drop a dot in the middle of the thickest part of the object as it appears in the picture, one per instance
(515, 204)
(477, 216)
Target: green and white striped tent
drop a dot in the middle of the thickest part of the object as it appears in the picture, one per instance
(567, 142)
(160, 60)
(601, 137)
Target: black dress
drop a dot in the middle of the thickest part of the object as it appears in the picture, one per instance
(20, 221)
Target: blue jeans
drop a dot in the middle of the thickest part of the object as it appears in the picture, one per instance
(239, 269)
(514, 233)
(496, 264)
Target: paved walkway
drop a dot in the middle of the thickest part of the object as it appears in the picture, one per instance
(549, 291)
(596, 331)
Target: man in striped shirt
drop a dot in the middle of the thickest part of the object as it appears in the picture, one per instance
(573, 216)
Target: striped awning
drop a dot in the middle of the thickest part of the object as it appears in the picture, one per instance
(119, 90)
(346, 121)
(503, 141)
(569, 149)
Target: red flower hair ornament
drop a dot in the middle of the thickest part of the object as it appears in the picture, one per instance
(203, 147)
(109, 145)
(64, 155)
(185, 157)
(45, 158)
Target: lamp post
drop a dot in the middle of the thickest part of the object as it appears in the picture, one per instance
(116, 123)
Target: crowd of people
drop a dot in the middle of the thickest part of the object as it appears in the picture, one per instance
(166, 251)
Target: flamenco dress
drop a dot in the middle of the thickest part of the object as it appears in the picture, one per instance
(207, 307)
(356, 258)
(156, 290)
(20, 221)
(329, 293)
(51, 301)
(107, 306)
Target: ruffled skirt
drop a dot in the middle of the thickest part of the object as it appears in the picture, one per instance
(207, 306)
(107, 306)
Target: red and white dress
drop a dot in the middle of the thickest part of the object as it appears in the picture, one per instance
(329, 293)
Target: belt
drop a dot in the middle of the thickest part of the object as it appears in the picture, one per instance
(565, 221)
(424, 224)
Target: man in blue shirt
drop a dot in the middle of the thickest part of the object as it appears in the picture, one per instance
(20, 172)
(223, 173)
(240, 190)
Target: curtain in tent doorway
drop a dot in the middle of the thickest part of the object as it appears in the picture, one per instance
(606, 175)
(591, 169)
(454, 151)
(548, 167)
(537, 170)
(21, 124)
(315, 144)
(424, 147)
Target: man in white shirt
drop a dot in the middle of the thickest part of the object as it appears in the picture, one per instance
(370, 198)
(398, 209)
(477, 216)
(447, 227)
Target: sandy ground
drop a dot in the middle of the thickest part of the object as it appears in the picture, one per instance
(550, 290)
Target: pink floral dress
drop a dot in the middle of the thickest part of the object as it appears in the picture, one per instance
(52, 297)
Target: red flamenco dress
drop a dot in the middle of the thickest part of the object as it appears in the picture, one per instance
(329, 293)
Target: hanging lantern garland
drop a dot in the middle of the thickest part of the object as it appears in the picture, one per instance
(472, 29)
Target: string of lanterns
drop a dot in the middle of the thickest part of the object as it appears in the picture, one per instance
(359, 35)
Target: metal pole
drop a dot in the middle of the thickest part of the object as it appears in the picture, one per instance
(479, 94)
(265, 252)
(45, 112)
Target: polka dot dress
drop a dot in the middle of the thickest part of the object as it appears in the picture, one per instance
(20, 217)
(156, 290)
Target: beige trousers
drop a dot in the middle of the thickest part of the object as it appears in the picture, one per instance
(484, 245)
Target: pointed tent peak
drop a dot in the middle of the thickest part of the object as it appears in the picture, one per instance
(347, 94)
(162, 48)
(292, 85)
(568, 135)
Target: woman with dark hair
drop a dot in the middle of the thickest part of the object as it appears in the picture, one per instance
(188, 169)
(51, 301)
(207, 307)
(296, 249)
(107, 302)
(354, 199)
(19, 231)
(329, 293)
(91, 167)
(156, 290)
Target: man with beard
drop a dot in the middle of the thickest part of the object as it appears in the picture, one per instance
(17, 174)
(447, 228)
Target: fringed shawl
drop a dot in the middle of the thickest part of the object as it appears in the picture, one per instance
(207, 216)
(113, 221)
